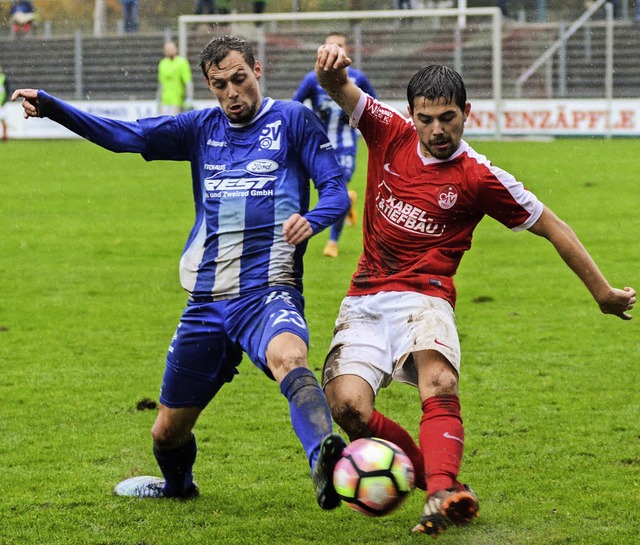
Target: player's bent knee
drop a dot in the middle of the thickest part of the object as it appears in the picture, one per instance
(173, 427)
(169, 438)
(281, 367)
(353, 420)
(162, 437)
(437, 385)
(436, 376)
(285, 353)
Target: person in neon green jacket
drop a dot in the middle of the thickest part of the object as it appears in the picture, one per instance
(175, 85)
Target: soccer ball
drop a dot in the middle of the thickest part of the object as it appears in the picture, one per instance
(373, 476)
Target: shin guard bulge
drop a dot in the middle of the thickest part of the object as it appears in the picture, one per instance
(442, 441)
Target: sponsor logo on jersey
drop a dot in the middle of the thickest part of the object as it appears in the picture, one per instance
(261, 166)
(326, 146)
(447, 197)
(215, 167)
(271, 135)
(238, 183)
(216, 143)
(406, 216)
(375, 109)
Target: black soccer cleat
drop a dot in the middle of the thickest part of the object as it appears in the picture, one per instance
(330, 452)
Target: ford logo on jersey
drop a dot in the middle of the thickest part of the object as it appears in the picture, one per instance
(262, 165)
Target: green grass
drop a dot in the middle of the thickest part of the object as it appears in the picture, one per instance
(89, 298)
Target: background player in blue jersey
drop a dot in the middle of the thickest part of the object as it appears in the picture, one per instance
(251, 161)
(343, 137)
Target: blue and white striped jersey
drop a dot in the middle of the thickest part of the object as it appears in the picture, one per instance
(247, 180)
(343, 137)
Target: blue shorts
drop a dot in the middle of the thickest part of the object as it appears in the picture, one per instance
(211, 337)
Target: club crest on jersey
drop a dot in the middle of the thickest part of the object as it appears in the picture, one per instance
(281, 295)
(238, 183)
(405, 215)
(270, 136)
(447, 197)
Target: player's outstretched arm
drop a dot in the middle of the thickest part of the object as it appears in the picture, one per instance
(611, 300)
(111, 134)
(30, 102)
(331, 71)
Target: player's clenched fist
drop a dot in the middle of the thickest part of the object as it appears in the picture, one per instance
(296, 229)
(29, 103)
(619, 302)
(332, 57)
(331, 65)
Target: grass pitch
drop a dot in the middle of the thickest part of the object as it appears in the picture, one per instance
(89, 299)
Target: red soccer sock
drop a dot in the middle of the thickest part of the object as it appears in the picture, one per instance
(441, 429)
(385, 428)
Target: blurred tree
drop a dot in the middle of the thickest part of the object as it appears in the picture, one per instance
(53, 10)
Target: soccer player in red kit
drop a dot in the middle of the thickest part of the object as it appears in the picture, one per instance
(427, 190)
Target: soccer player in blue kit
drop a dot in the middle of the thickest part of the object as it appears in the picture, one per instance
(342, 135)
(251, 161)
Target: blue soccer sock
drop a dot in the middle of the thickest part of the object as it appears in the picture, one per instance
(336, 229)
(176, 466)
(308, 408)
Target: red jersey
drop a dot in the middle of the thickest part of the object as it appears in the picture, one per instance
(420, 213)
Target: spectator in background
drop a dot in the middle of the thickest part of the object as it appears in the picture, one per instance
(4, 97)
(404, 5)
(502, 4)
(130, 15)
(21, 16)
(343, 137)
(204, 7)
(175, 85)
(259, 7)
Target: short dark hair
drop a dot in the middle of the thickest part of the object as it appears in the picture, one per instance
(218, 49)
(437, 81)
